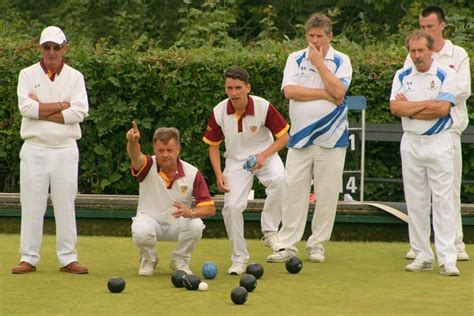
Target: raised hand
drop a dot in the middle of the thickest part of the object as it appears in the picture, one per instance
(133, 134)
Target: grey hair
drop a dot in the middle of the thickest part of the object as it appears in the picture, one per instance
(319, 20)
(165, 134)
(417, 35)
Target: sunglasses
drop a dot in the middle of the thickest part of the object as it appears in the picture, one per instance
(56, 48)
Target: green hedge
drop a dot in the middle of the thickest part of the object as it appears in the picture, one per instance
(179, 88)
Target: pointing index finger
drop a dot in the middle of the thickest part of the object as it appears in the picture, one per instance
(134, 125)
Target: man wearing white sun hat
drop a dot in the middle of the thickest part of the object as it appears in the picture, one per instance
(52, 99)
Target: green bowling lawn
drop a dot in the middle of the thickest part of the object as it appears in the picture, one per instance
(356, 279)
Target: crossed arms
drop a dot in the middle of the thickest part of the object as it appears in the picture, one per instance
(421, 110)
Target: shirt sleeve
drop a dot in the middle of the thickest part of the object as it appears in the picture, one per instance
(344, 71)
(396, 86)
(201, 191)
(463, 79)
(28, 107)
(141, 174)
(79, 103)
(448, 88)
(275, 122)
(213, 134)
(290, 73)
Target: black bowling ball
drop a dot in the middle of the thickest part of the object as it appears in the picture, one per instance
(255, 269)
(116, 285)
(249, 282)
(239, 295)
(191, 282)
(177, 278)
(294, 265)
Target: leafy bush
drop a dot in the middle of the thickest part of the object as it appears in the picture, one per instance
(162, 63)
(179, 87)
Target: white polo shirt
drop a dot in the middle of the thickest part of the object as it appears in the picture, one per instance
(317, 121)
(247, 134)
(438, 83)
(68, 86)
(156, 196)
(456, 58)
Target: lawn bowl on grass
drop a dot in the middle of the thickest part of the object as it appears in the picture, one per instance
(191, 282)
(255, 269)
(177, 278)
(209, 270)
(249, 282)
(239, 295)
(294, 265)
(116, 285)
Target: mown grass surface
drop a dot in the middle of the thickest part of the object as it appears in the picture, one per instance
(357, 278)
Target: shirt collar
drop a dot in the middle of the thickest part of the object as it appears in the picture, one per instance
(448, 49)
(179, 173)
(249, 110)
(432, 70)
(46, 70)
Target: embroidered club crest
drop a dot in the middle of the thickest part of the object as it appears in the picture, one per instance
(253, 129)
(183, 188)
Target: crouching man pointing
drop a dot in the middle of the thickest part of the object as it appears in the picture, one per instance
(167, 187)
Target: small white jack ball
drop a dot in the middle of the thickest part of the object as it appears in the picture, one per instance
(203, 286)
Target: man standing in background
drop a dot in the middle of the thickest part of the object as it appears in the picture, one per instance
(432, 20)
(52, 98)
(315, 80)
(422, 96)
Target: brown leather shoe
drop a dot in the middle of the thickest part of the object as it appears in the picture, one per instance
(23, 267)
(74, 267)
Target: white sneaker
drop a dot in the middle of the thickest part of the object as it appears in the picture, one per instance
(147, 267)
(419, 265)
(317, 255)
(273, 241)
(279, 256)
(410, 255)
(176, 265)
(449, 269)
(462, 255)
(237, 268)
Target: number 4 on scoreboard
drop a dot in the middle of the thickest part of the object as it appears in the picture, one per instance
(350, 184)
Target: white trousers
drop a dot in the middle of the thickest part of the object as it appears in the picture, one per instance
(456, 138)
(324, 166)
(240, 181)
(43, 169)
(427, 166)
(147, 231)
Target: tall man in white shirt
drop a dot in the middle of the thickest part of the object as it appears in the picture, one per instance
(53, 101)
(422, 96)
(315, 80)
(432, 20)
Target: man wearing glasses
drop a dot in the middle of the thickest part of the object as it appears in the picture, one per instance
(53, 101)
